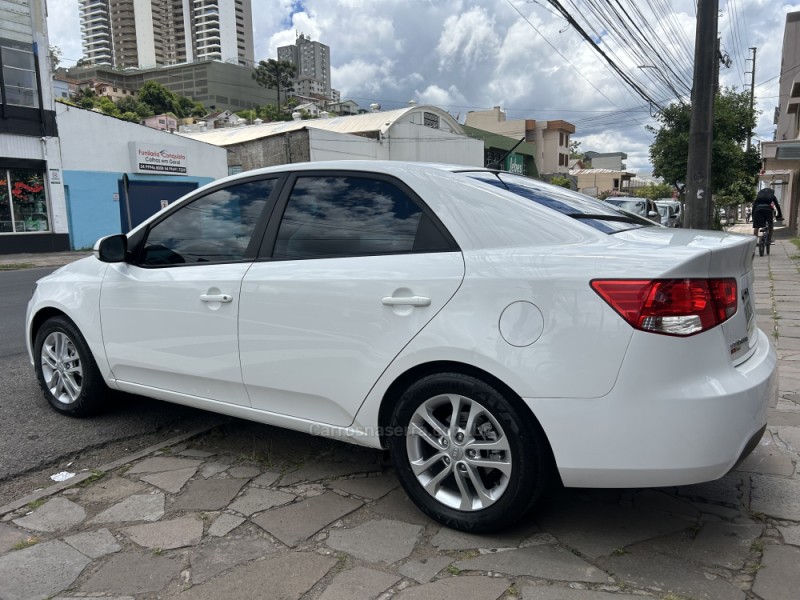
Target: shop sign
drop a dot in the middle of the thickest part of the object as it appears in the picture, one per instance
(515, 163)
(55, 176)
(157, 158)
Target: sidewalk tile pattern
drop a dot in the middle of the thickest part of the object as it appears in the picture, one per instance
(323, 520)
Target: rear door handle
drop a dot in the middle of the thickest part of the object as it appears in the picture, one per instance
(407, 301)
(216, 297)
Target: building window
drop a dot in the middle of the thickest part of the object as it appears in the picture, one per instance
(19, 74)
(23, 201)
(431, 120)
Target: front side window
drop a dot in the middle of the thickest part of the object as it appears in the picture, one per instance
(353, 216)
(23, 201)
(214, 228)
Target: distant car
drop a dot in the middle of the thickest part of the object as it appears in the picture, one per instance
(486, 327)
(670, 211)
(643, 207)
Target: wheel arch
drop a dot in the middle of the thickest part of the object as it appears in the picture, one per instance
(401, 383)
(41, 316)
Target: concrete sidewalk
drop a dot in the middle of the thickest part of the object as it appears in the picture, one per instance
(35, 260)
(249, 511)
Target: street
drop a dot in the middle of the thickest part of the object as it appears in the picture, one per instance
(33, 435)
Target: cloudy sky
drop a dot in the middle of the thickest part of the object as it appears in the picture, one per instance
(522, 55)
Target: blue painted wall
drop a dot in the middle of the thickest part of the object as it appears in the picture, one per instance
(92, 210)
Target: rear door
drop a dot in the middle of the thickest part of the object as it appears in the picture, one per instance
(356, 266)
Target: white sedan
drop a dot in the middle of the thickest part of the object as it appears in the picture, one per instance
(494, 332)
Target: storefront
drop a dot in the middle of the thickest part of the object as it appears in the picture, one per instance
(32, 211)
(117, 174)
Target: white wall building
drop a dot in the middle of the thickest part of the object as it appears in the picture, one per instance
(116, 173)
(417, 133)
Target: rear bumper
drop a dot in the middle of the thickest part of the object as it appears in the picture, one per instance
(652, 430)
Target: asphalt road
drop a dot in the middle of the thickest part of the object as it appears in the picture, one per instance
(33, 435)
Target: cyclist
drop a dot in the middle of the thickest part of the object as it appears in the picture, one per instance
(763, 210)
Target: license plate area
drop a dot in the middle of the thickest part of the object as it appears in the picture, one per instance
(749, 313)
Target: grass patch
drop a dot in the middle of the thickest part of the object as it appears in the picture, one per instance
(453, 570)
(33, 505)
(123, 469)
(158, 551)
(620, 552)
(755, 568)
(95, 476)
(26, 543)
(796, 242)
(759, 517)
(757, 546)
(14, 267)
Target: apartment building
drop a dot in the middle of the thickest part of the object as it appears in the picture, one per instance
(313, 61)
(781, 157)
(33, 216)
(134, 34)
(550, 137)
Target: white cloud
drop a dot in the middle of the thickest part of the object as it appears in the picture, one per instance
(474, 54)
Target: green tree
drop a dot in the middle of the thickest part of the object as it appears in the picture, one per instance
(575, 150)
(733, 120)
(129, 104)
(654, 191)
(158, 98)
(561, 181)
(107, 106)
(55, 57)
(275, 74)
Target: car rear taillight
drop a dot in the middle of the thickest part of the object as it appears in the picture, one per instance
(670, 306)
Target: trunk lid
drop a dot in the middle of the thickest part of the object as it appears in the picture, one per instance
(716, 255)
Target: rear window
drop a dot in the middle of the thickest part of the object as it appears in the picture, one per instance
(595, 213)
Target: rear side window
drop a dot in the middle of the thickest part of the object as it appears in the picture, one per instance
(213, 228)
(330, 216)
(595, 213)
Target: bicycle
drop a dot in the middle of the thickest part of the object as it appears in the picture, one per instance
(764, 239)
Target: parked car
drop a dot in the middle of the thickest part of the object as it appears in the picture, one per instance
(640, 206)
(670, 211)
(489, 329)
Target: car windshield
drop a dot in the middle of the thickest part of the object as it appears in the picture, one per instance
(663, 211)
(595, 213)
(634, 206)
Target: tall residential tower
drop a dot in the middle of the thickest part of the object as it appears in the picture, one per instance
(313, 61)
(150, 33)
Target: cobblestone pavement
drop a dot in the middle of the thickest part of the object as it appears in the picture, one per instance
(248, 511)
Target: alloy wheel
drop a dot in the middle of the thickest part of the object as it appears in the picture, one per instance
(61, 367)
(458, 452)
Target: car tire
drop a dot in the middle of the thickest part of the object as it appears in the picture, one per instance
(449, 472)
(66, 369)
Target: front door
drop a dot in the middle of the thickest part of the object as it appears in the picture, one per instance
(170, 315)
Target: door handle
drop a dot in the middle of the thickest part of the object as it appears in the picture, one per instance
(216, 297)
(406, 301)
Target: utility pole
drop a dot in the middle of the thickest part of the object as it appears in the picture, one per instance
(752, 95)
(699, 206)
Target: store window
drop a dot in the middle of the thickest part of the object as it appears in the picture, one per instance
(23, 201)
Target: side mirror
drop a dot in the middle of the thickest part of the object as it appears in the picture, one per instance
(112, 248)
(652, 213)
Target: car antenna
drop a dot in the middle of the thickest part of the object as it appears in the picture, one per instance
(496, 164)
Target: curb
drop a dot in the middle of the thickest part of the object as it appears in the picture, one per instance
(54, 489)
